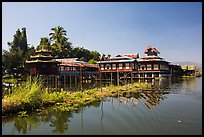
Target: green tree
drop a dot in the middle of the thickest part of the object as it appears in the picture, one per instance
(23, 43)
(15, 45)
(13, 60)
(60, 44)
(95, 55)
(44, 44)
(58, 35)
(92, 61)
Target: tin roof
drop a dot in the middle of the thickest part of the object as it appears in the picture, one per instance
(37, 56)
(152, 49)
(43, 50)
(133, 55)
(74, 64)
(117, 59)
(38, 60)
(151, 59)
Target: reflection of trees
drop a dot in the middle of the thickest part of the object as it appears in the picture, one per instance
(95, 104)
(46, 115)
(23, 124)
(59, 120)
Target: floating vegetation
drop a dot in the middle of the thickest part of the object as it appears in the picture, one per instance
(22, 114)
(30, 95)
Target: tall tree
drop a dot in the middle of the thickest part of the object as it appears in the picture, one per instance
(14, 59)
(58, 35)
(24, 45)
(16, 44)
(60, 44)
(44, 44)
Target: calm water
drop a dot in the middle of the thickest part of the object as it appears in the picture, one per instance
(175, 110)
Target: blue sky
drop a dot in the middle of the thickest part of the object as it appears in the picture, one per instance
(173, 28)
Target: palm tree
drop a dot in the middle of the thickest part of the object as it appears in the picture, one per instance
(58, 35)
(61, 45)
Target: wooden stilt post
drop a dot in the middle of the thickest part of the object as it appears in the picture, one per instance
(56, 82)
(81, 79)
(111, 77)
(64, 81)
(131, 75)
(75, 78)
(118, 78)
(70, 81)
(100, 80)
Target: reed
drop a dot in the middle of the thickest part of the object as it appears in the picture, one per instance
(27, 94)
(30, 95)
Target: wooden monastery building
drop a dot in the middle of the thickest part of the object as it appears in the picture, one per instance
(112, 69)
(120, 66)
(152, 65)
(43, 63)
(73, 66)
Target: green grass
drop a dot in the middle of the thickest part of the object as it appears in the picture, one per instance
(30, 95)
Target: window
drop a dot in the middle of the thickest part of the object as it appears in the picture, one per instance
(114, 66)
(102, 67)
(108, 66)
(142, 67)
(163, 67)
(133, 65)
(120, 66)
(156, 67)
(149, 67)
(127, 65)
(66, 68)
(61, 68)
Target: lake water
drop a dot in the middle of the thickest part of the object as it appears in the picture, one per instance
(177, 110)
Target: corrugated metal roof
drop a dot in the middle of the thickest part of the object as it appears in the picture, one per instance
(133, 55)
(73, 64)
(152, 49)
(34, 61)
(115, 61)
(120, 58)
(37, 56)
(43, 50)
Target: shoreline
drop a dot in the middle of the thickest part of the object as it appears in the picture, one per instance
(64, 100)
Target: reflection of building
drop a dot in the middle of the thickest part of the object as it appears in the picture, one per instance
(42, 63)
(152, 65)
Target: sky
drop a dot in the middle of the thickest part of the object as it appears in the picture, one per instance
(173, 28)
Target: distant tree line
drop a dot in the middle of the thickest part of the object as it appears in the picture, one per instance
(13, 60)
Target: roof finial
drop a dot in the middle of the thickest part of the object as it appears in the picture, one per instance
(43, 47)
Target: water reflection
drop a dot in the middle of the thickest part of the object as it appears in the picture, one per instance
(58, 121)
(152, 97)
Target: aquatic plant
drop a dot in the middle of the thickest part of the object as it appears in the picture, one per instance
(31, 95)
(27, 94)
